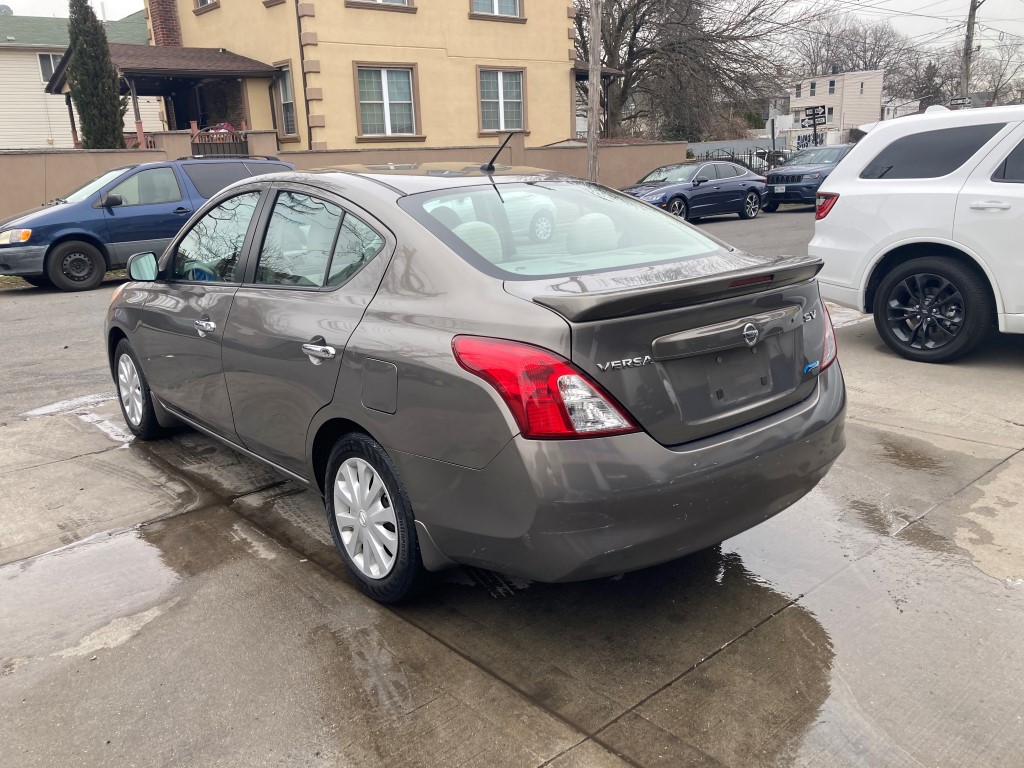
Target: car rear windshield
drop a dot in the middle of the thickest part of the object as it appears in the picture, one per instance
(930, 154)
(551, 229)
(211, 177)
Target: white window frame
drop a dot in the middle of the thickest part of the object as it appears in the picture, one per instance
(387, 2)
(495, 12)
(862, 89)
(799, 87)
(501, 99)
(387, 101)
(829, 115)
(831, 87)
(201, 3)
(812, 88)
(54, 61)
(285, 79)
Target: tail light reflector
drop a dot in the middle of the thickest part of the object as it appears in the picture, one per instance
(824, 202)
(831, 351)
(548, 396)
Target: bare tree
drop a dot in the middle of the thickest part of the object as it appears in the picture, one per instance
(1000, 70)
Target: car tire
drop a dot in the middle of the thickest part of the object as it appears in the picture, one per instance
(75, 266)
(677, 207)
(962, 314)
(374, 530)
(39, 281)
(133, 393)
(770, 207)
(751, 206)
(542, 227)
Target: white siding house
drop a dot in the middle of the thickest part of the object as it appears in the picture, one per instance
(29, 48)
(850, 99)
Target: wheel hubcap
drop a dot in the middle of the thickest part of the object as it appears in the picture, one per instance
(925, 311)
(542, 229)
(77, 266)
(129, 388)
(676, 208)
(753, 206)
(366, 519)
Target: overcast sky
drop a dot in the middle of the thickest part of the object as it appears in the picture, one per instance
(927, 21)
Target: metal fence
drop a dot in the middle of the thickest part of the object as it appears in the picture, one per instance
(757, 160)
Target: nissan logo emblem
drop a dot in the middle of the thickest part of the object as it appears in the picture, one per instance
(750, 334)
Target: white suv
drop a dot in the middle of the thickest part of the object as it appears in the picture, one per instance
(922, 224)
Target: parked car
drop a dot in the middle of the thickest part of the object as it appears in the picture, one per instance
(616, 396)
(71, 242)
(692, 190)
(921, 225)
(797, 180)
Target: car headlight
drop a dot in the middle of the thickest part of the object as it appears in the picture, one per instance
(9, 236)
(811, 176)
(656, 197)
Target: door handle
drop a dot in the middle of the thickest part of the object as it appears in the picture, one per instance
(205, 326)
(317, 353)
(990, 205)
(182, 211)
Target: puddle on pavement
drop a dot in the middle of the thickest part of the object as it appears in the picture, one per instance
(903, 453)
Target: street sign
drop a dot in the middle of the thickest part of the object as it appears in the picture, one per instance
(959, 101)
(810, 122)
(813, 111)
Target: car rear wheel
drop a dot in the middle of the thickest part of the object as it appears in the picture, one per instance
(678, 207)
(39, 281)
(770, 207)
(75, 266)
(751, 206)
(371, 520)
(133, 393)
(542, 227)
(933, 309)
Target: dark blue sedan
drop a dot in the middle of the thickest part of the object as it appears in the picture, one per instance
(692, 190)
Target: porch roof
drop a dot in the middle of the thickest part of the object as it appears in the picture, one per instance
(153, 65)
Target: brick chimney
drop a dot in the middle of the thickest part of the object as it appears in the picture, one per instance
(163, 17)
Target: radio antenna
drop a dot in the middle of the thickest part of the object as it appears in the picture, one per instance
(488, 167)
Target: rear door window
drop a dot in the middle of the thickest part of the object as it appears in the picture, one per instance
(299, 240)
(930, 154)
(1012, 168)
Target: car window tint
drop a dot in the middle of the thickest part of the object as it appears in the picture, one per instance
(1012, 168)
(298, 242)
(357, 245)
(155, 185)
(727, 171)
(211, 250)
(594, 229)
(930, 154)
(211, 177)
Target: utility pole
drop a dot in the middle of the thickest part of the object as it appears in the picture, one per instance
(965, 70)
(594, 89)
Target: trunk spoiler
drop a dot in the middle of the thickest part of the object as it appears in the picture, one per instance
(601, 305)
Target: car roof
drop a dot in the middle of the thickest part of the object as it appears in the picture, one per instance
(412, 178)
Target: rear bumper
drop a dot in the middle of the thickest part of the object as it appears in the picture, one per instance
(22, 259)
(570, 510)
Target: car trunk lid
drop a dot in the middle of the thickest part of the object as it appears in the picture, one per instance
(694, 348)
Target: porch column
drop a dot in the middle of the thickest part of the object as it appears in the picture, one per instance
(141, 134)
(74, 128)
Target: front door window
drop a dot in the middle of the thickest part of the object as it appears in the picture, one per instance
(211, 250)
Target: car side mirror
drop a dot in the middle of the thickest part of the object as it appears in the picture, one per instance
(111, 201)
(700, 180)
(143, 267)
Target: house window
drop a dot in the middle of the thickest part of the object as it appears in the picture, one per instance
(798, 88)
(828, 115)
(831, 87)
(501, 100)
(201, 3)
(810, 91)
(497, 7)
(286, 96)
(387, 2)
(47, 64)
(862, 89)
(385, 102)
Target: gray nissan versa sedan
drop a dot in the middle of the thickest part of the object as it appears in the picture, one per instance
(621, 393)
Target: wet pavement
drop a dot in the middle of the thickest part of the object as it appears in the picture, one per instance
(176, 603)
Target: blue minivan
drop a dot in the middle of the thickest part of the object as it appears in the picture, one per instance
(72, 241)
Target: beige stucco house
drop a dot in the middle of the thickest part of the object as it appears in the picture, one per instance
(384, 73)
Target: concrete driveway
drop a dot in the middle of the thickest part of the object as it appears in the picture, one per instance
(175, 603)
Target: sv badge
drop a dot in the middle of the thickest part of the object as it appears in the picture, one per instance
(808, 316)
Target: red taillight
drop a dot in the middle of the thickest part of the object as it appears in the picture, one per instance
(548, 396)
(824, 202)
(831, 351)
